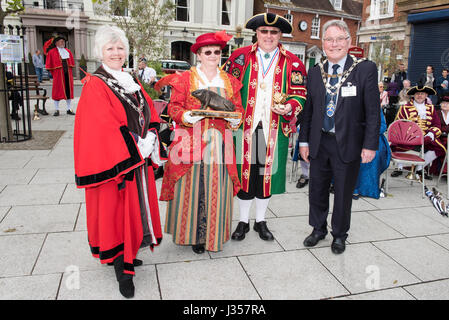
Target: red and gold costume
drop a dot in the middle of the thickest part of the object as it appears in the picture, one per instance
(430, 124)
(121, 199)
(62, 72)
(289, 78)
(200, 191)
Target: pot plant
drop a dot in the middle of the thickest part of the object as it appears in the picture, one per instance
(83, 66)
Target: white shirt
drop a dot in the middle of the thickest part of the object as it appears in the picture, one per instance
(264, 97)
(63, 53)
(146, 74)
(217, 81)
(421, 107)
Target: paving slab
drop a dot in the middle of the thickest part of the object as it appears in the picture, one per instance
(19, 253)
(3, 211)
(441, 239)
(48, 176)
(102, 285)
(73, 195)
(15, 195)
(363, 267)
(400, 198)
(293, 230)
(64, 250)
(292, 204)
(42, 287)
(410, 222)
(81, 222)
(365, 227)
(388, 294)
(40, 219)
(217, 279)
(58, 161)
(435, 290)
(168, 252)
(291, 275)
(17, 176)
(11, 161)
(252, 244)
(420, 256)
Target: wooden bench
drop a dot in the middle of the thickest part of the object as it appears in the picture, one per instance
(35, 92)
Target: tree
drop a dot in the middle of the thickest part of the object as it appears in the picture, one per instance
(384, 55)
(12, 7)
(144, 22)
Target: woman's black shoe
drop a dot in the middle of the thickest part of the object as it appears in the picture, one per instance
(126, 288)
(198, 248)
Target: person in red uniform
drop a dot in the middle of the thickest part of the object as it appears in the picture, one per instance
(60, 63)
(116, 144)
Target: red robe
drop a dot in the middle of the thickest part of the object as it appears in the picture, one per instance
(105, 151)
(54, 65)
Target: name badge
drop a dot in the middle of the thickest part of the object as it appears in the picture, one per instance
(349, 90)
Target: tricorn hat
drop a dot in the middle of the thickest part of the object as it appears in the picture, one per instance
(270, 20)
(59, 37)
(430, 91)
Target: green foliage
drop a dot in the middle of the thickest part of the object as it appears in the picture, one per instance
(83, 61)
(151, 92)
(157, 66)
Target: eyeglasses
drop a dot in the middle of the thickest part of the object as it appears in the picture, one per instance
(272, 32)
(337, 40)
(209, 52)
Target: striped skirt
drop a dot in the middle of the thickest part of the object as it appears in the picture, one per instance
(201, 210)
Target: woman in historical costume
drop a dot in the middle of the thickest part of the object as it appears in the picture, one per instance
(115, 142)
(200, 178)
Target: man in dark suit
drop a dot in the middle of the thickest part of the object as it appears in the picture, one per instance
(340, 129)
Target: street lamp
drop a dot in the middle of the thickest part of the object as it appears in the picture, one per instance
(238, 39)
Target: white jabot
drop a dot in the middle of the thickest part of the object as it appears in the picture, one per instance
(124, 79)
(445, 117)
(421, 107)
(63, 53)
(217, 81)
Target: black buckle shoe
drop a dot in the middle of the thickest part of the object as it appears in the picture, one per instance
(262, 229)
(396, 173)
(313, 239)
(302, 182)
(338, 245)
(239, 233)
(198, 248)
(126, 288)
(56, 114)
(70, 112)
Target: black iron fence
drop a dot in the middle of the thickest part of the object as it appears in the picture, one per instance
(15, 115)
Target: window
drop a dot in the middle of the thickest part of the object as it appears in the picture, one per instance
(289, 17)
(315, 29)
(300, 56)
(381, 9)
(52, 4)
(337, 4)
(182, 10)
(226, 12)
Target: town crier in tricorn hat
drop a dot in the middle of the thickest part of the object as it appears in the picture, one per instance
(270, 20)
(273, 94)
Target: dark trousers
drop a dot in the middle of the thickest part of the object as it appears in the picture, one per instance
(258, 154)
(325, 167)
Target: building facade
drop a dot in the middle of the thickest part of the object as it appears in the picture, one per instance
(307, 18)
(78, 21)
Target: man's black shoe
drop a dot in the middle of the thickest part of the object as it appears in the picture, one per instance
(338, 245)
(313, 239)
(56, 114)
(396, 173)
(70, 112)
(302, 182)
(262, 229)
(198, 248)
(239, 233)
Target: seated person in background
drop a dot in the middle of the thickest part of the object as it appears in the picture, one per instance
(403, 97)
(426, 117)
(443, 114)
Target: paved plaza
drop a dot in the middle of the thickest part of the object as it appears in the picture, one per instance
(398, 246)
